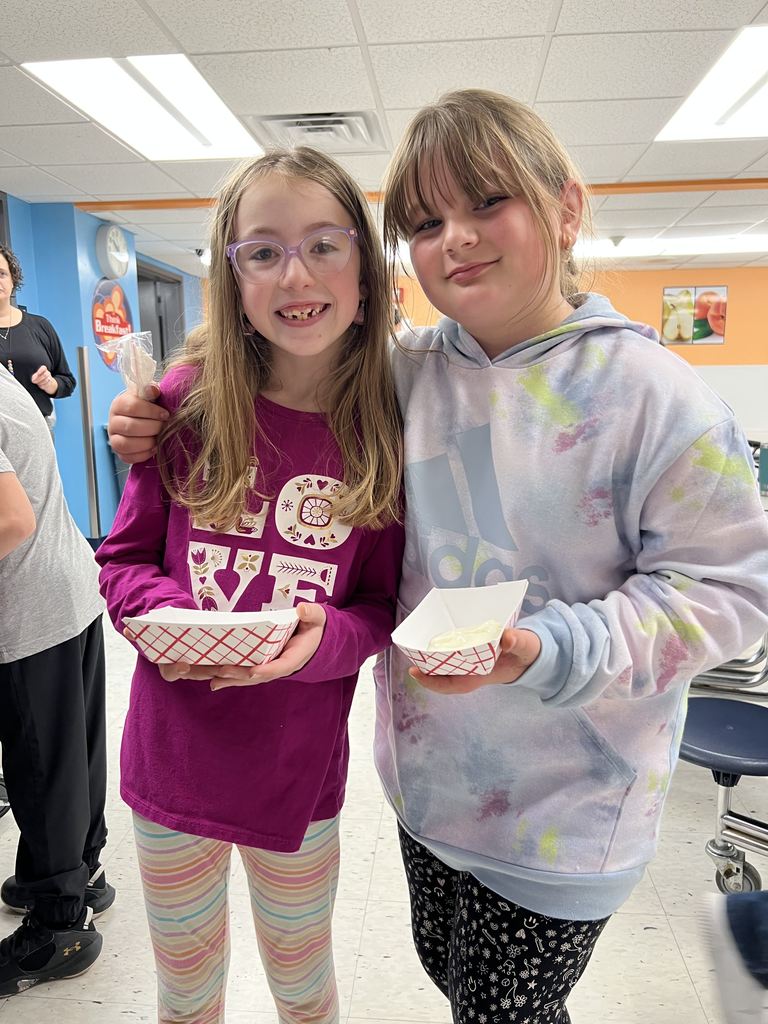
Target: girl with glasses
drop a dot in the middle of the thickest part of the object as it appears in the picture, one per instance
(276, 483)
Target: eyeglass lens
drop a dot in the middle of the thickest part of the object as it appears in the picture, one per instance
(323, 252)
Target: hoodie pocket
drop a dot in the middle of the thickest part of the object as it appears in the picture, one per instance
(622, 767)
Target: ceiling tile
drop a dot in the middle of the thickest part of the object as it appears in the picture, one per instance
(738, 197)
(317, 81)
(652, 16)
(413, 74)
(190, 238)
(67, 197)
(637, 218)
(201, 177)
(607, 121)
(8, 160)
(240, 25)
(142, 235)
(174, 255)
(761, 228)
(26, 102)
(628, 66)
(607, 162)
(174, 232)
(655, 200)
(626, 232)
(398, 121)
(27, 182)
(702, 230)
(36, 30)
(723, 259)
(367, 169)
(697, 159)
(114, 179)
(112, 216)
(734, 215)
(408, 21)
(172, 216)
(657, 263)
(759, 167)
(66, 144)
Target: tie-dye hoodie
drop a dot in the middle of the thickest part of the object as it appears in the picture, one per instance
(598, 466)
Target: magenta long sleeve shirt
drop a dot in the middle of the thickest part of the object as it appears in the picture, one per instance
(250, 765)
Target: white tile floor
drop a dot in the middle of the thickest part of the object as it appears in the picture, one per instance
(650, 966)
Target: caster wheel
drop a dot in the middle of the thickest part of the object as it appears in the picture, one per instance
(751, 880)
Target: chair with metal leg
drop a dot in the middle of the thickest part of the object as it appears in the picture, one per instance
(730, 738)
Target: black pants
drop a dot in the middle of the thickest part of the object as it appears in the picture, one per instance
(492, 959)
(53, 734)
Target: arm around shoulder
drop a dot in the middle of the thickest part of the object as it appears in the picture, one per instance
(17, 517)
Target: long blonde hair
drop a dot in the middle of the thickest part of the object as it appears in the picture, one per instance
(486, 142)
(234, 365)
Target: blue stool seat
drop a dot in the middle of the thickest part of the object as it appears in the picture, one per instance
(726, 736)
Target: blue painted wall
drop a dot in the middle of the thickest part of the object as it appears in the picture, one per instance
(22, 243)
(105, 383)
(56, 245)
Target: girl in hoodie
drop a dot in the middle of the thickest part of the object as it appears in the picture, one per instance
(547, 438)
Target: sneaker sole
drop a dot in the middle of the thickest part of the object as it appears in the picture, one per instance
(91, 955)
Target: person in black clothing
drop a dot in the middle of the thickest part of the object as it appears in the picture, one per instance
(29, 346)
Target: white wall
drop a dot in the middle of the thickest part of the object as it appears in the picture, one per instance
(745, 389)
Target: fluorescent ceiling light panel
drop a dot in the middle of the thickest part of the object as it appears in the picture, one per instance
(160, 106)
(731, 102)
(605, 249)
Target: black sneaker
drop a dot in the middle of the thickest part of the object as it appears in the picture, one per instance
(99, 894)
(34, 953)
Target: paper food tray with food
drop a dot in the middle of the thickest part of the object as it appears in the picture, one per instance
(473, 617)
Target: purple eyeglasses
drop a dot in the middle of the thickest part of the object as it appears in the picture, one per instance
(322, 252)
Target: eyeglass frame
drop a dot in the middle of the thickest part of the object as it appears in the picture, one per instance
(288, 250)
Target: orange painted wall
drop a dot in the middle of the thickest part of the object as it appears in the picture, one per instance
(638, 294)
(415, 304)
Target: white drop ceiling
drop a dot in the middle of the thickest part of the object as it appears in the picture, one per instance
(607, 74)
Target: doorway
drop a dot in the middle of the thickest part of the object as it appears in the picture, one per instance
(161, 309)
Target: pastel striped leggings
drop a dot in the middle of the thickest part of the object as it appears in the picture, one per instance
(186, 881)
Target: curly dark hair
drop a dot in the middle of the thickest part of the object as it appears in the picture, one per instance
(13, 265)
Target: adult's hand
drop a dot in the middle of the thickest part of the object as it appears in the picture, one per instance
(134, 424)
(519, 649)
(45, 380)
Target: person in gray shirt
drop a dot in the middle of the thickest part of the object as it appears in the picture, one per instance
(52, 709)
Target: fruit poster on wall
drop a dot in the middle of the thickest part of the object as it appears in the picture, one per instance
(694, 316)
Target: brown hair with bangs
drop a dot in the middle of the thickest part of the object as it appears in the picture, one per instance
(14, 267)
(234, 366)
(488, 143)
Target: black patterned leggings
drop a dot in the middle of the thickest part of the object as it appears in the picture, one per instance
(495, 962)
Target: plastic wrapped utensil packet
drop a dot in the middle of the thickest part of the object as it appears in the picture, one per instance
(134, 360)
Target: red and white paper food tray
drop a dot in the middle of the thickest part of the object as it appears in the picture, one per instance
(461, 608)
(168, 635)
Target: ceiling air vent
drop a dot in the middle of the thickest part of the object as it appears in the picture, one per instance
(348, 132)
